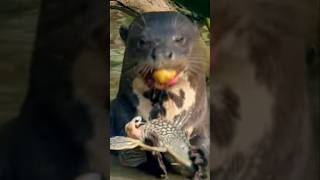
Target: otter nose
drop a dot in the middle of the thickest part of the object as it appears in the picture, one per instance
(162, 54)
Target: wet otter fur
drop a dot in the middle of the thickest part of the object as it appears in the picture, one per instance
(166, 40)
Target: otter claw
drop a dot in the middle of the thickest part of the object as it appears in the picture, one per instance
(199, 162)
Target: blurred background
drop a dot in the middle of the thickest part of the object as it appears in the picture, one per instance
(18, 21)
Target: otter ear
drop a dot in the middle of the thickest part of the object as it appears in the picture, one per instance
(123, 33)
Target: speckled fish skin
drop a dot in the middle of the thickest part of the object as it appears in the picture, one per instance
(175, 140)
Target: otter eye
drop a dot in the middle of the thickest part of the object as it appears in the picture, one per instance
(179, 39)
(142, 43)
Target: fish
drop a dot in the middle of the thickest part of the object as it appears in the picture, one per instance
(158, 136)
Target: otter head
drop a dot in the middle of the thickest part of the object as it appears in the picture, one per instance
(161, 42)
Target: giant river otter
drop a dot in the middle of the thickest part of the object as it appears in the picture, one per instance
(169, 42)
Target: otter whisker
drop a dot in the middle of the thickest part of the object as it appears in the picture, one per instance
(175, 21)
(149, 69)
(144, 71)
(194, 61)
(132, 70)
(180, 24)
(144, 21)
(140, 26)
(197, 68)
(198, 57)
(193, 72)
(197, 61)
(128, 69)
(127, 64)
(181, 69)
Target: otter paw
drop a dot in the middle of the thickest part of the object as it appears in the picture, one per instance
(199, 162)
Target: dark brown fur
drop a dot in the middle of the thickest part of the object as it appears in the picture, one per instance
(136, 98)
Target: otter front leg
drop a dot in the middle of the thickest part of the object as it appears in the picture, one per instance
(200, 163)
(199, 154)
(162, 165)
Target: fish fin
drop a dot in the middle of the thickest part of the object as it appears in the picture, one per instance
(132, 157)
(152, 139)
(123, 143)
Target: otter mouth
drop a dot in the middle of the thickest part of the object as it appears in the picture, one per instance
(154, 77)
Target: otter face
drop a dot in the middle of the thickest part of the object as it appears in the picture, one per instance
(160, 40)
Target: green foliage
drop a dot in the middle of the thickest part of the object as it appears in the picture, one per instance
(197, 10)
(200, 7)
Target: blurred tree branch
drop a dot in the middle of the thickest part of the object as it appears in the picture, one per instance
(196, 11)
(136, 7)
